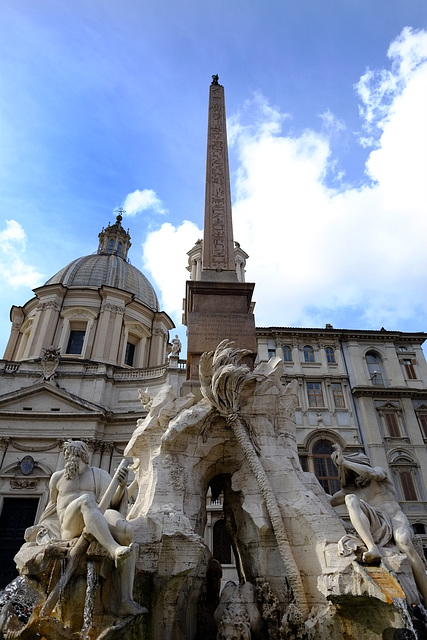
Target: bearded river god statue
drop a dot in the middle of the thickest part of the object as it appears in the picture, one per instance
(84, 523)
(238, 440)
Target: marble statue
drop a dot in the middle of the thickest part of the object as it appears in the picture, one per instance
(176, 347)
(76, 492)
(79, 560)
(237, 615)
(374, 511)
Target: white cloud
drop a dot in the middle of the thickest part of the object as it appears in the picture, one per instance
(12, 238)
(164, 255)
(145, 200)
(315, 251)
(14, 270)
(379, 89)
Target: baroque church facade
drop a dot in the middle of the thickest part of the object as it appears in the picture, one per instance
(91, 349)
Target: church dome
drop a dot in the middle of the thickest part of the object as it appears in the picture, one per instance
(110, 267)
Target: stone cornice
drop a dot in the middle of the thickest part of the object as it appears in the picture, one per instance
(388, 392)
(343, 334)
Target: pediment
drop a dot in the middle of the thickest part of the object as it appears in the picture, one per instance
(45, 397)
(388, 406)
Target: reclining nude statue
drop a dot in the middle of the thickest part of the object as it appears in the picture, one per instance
(85, 501)
(374, 511)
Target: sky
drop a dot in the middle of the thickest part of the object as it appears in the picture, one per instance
(104, 104)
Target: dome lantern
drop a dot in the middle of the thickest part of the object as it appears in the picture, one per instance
(114, 240)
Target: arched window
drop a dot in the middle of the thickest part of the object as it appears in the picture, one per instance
(221, 545)
(375, 368)
(287, 354)
(330, 355)
(119, 249)
(111, 246)
(308, 354)
(324, 469)
(405, 470)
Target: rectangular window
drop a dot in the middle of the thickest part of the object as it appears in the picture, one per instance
(129, 354)
(287, 354)
(409, 370)
(315, 395)
(392, 424)
(75, 342)
(338, 395)
(330, 355)
(303, 461)
(422, 419)
(408, 486)
(271, 353)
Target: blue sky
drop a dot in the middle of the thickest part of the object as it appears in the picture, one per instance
(104, 104)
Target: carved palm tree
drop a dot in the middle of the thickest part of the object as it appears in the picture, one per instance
(222, 380)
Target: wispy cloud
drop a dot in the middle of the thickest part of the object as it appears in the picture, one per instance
(145, 200)
(379, 89)
(315, 251)
(15, 271)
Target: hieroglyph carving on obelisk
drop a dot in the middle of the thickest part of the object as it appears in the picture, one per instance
(218, 245)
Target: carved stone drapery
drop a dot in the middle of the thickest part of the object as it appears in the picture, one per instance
(36, 449)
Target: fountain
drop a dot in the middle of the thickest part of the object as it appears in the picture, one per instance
(293, 583)
(97, 567)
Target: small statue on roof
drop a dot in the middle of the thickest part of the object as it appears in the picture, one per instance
(215, 79)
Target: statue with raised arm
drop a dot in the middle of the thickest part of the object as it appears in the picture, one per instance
(374, 511)
(89, 501)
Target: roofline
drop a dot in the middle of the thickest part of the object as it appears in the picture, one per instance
(374, 333)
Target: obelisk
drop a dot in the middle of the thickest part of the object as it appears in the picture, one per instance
(217, 306)
(218, 244)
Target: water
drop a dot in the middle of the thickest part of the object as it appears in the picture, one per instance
(91, 585)
(423, 611)
(23, 596)
(402, 607)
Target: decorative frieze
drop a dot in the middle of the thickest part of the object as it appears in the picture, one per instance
(48, 304)
(113, 308)
(24, 483)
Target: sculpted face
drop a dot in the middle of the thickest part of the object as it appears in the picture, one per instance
(71, 468)
(74, 452)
